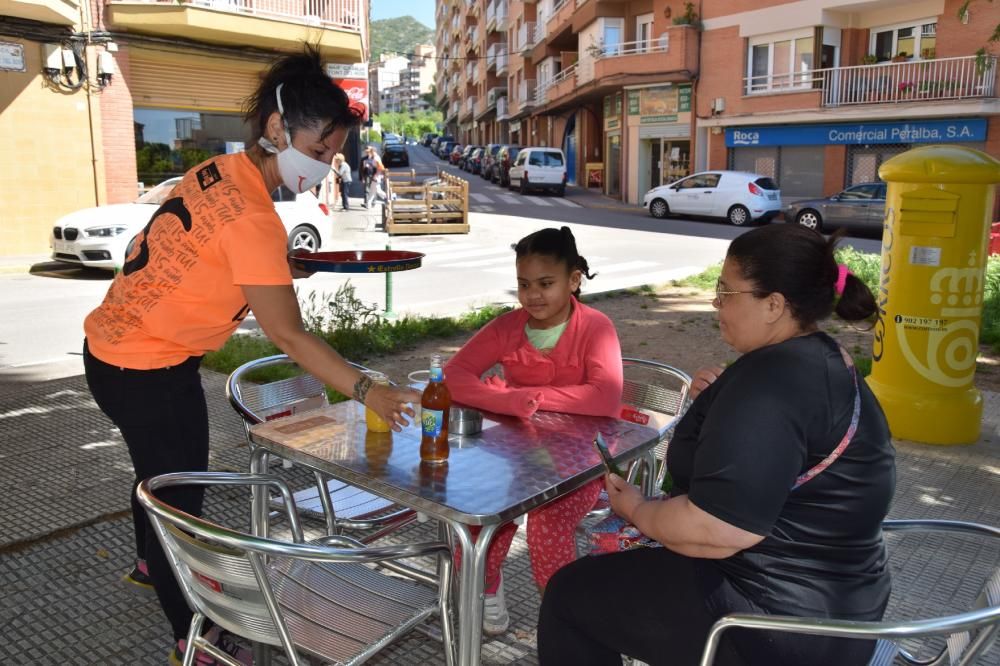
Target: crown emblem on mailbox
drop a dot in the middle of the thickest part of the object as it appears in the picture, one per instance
(958, 286)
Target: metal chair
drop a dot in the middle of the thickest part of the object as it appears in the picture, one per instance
(344, 507)
(658, 395)
(322, 599)
(968, 635)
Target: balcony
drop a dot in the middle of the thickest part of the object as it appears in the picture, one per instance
(894, 83)
(675, 51)
(560, 85)
(502, 59)
(62, 12)
(491, 55)
(503, 110)
(272, 24)
(469, 108)
(494, 94)
(526, 94)
(475, 38)
(561, 16)
(525, 37)
(496, 16)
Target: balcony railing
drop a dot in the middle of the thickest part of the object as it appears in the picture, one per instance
(502, 108)
(526, 36)
(491, 55)
(335, 14)
(475, 37)
(542, 92)
(470, 106)
(526, 93)
(661, 45)
(491, 14)
(888, 83)
(494, 94)
(500, 9)
(502, 58)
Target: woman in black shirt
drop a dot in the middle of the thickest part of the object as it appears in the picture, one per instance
(783, 470)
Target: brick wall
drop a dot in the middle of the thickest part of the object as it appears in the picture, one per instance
(956, 39)
(117, 138)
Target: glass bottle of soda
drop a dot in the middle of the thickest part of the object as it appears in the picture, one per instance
(435, 406)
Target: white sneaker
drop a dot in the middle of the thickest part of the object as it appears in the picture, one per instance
(496, 619)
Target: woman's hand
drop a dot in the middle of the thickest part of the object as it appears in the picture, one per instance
(624, 496)
(704, 378)
(390, 403)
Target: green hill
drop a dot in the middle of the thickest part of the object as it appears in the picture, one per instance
(398, 35)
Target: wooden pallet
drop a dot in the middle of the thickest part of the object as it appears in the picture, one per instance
(414, 207)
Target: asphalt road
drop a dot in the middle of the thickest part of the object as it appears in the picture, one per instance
(41, 330)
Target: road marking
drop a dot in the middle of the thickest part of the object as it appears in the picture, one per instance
(481, 198)
(567, 202)
(506, 258)
(509, 198)
(626, 266)
(540, 202)
(463, 254)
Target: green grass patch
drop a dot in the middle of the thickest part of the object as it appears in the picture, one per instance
(350, 326)
(705, 280)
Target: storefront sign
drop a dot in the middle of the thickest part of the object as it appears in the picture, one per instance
(652, 120)
(633, 102)
(353, 78)
(612, 123)
(515, 126)
(684, 98)
(921, 131)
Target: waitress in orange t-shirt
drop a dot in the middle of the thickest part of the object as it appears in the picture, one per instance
(210, 254)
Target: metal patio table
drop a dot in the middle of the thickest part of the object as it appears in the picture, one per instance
(510, 468)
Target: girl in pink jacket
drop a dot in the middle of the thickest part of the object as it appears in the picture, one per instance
(557, 355)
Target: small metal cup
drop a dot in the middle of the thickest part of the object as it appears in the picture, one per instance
(465, 421)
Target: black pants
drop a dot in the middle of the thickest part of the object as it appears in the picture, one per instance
(163, 418)
(655, 605)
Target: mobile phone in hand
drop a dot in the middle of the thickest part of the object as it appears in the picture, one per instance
(602, 448)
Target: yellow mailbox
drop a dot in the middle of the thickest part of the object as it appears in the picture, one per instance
(930, 298)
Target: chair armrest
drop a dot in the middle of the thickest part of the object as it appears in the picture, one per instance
(234, 479)
(849, 628)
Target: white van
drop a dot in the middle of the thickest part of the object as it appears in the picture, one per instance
(740, 197)
(539, 169)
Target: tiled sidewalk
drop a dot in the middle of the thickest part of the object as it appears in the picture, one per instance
(65, 534)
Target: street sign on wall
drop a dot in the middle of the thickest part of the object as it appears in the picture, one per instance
(353, 78)
(918, 131)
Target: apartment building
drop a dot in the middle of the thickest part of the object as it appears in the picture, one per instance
(414, 81)
(383, 76)
(98, 95)
(610, 82)
(815, 93)
(818, 93)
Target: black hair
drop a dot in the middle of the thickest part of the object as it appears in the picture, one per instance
(799, 264)
(558, 244)
(309, 97)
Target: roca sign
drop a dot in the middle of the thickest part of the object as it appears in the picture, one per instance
(928, 131)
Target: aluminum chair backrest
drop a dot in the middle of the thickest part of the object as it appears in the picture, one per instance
(261, 402)
(657, 391)
(968, 635)
(223, 572)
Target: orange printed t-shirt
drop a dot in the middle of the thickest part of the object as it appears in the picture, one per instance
(178, 294)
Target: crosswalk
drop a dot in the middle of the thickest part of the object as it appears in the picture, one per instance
(468, 256)
(480, 200)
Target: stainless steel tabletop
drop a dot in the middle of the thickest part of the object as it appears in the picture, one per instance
(501, 473)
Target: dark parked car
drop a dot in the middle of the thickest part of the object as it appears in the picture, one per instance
(395, 154)
(437, 141)
(489, 160)
(505, 158)
(444, 148)
(456, 153)
(464, 157)
(430, 136)
(475, 162)
(859, 207)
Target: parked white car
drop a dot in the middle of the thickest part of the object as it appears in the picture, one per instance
(539, 169)
(738, 196)
(98, 237)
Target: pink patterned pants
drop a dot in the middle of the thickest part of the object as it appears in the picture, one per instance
(551, 536)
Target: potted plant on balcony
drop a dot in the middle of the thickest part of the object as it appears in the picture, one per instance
(689, 17)
(869, 59)
(929, 53)
(905, 89)
(902, 56)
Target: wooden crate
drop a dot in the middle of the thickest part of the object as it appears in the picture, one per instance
(417, 208)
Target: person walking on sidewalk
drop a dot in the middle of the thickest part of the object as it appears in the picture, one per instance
(213, 252)
(344, 180)
(374, 173)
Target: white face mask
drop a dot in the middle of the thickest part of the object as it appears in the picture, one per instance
(299, 172)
